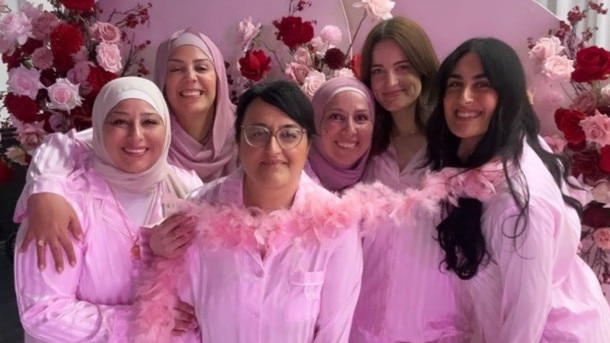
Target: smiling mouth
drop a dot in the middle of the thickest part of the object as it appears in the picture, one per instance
(191, 93)
(135, 151)
(349, 146)
(467, 114)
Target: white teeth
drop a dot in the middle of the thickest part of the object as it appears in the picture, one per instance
(135, 151)
(467, 114)
(347, 145)
(191, 93)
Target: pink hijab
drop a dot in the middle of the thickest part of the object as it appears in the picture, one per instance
(331, 176)
(213, 158)
(110, 95)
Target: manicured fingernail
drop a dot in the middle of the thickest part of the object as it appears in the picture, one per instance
(60, 269)
(41, 266)
(72, 263)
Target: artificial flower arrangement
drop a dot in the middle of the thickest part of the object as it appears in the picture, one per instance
(583, 70)
(306, 59)
(57, 61)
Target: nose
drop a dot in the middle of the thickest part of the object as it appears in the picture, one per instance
(272, 145)
(466, 96)
(350, 126)
(190, 74)
(135, 131)
(391, 79)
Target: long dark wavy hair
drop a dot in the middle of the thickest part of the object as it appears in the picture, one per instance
(512, 121)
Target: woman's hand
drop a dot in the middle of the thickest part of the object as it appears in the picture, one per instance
(184, 318)
(50, 217)
(173, 236)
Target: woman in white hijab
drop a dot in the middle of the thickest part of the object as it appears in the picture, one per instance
(116, 194)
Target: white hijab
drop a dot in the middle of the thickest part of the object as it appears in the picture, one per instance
(109, 96)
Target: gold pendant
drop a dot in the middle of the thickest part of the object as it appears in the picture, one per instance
(135, 252)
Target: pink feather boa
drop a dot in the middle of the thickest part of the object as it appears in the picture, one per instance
(317, 218)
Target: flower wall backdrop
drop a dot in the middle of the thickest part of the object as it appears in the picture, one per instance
(57, 61)
(565, 58)
(303, 57)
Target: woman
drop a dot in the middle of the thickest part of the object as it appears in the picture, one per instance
(344, 118)
(270, 262)
(190, 70)
(517, 251)
(117, 191)
(405, 296)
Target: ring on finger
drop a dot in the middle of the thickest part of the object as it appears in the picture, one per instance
(41, 243)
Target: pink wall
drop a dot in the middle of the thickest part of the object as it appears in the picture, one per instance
(447, 22)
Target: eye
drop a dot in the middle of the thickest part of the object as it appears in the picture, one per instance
(483, 84)
(361, 118)
(336, 117)
(377, 71)
(201, 68)
(151, 122)
(453, 83)
(403, 67)
(118, 122)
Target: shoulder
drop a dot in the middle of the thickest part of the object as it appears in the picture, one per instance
(189, 177)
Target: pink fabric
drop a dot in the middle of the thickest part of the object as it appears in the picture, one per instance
(110, 95)
(91, 302)
(543, 292)
(405, 297)
(301, 291)
(216, 157)
(331, 176)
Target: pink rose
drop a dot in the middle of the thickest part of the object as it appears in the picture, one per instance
(601, 192)
(248, 31)
(601, 237)
(555, 143)
(31, 11)
(297, 72)
(15, 27)
(42, 58)
(64, 95)
(80, 72)
(544, 48)
(558, 68)
(24, 81)
(105, 32)
(606, 94)
(379, 9)
(109, 57)
(302, 56)
(43, 25)
(585, 102)
(318, 46)
(597, 129)
(17, 155)
(81, 55)
(331, 34)
(312, 82)
(30, 135)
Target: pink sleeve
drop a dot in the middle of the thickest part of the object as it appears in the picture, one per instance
(340, 291)
(60, 154)
(50, 310)
(526, 274)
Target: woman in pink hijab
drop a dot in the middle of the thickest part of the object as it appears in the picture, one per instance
(190, 71)
(344, 118)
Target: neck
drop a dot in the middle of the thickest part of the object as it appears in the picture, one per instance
(404, 122)
(266, 198)
(196, 125)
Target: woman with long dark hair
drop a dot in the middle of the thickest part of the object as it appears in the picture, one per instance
(517, 251)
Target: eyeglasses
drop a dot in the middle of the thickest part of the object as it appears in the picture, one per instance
(287, 137)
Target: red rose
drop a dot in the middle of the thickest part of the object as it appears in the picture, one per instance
(586, 163)
(65, 40)
(79, 5)
(354, 64)
(6, 173)
(334, 58)
(595, 215)
(592, 63)
(254, 65)
(22, 107)
(604, 159)
(568, 121)
(13, 60)
(293, 31)
(98, 77)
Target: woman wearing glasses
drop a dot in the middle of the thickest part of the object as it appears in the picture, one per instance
(269, 264)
